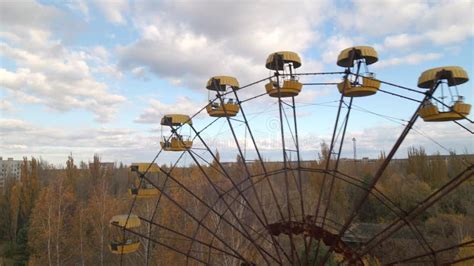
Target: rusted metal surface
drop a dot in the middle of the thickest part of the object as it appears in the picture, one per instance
(308, 228)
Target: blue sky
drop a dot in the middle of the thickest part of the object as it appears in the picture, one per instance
(87, 77)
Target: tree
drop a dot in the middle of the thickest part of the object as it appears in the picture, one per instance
(465, 252)
(101, 206)
(4, 217)
(216, 161)
(418, 163)
(7, 231)
(71, 171)
(14, 209)
(51, 224)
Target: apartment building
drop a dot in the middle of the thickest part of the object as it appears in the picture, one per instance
(9, 169)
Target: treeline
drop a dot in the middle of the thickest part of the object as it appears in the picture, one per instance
(61, 216)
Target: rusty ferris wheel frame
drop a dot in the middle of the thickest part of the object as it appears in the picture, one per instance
(314, 225)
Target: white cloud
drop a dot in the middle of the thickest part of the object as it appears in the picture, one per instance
(109, 70)
(372, 140)
(407, 25)
(376, 17)
(26, 14)
(451, 34)
(100, 52)
(5, 106)
(182, 43)
(410, 59)
(47, 72)
(402, 41)
(188, 42)
(333, 46)
(13, 126)
(449, 135)
(139, 72)
(113, 10)
(81, 6)
(61, 94)
(154, 113)
(434, 137)
(21, 138)
(188, 59)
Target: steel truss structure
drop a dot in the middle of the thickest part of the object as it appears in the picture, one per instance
(264, 216)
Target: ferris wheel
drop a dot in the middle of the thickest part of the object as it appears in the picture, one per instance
(255, 211)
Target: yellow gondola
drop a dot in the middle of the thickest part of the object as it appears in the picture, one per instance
(452, 76)
(121, 244)
(146, 189)
(358, 56)
(283, 84)
(176, 142)
(228, 106)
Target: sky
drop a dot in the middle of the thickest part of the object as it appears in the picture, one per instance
(95, 77)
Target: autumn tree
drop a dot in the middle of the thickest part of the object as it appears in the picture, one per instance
(217, 160)
(465, 252)
(51, 223)
(418, 163)
(21, 199)
(101, 206)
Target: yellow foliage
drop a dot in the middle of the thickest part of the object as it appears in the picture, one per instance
(465, 252)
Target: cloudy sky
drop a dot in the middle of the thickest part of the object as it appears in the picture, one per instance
(87, 77)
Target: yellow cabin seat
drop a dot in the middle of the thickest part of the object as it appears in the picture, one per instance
(368, 87)
(290, 88)
(175, 144)
(218, 110)
(124, 247)
(428, 110)
(430, 113)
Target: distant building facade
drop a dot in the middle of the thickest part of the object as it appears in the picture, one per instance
(9, 169)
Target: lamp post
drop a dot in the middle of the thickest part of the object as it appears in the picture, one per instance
(355, 148)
